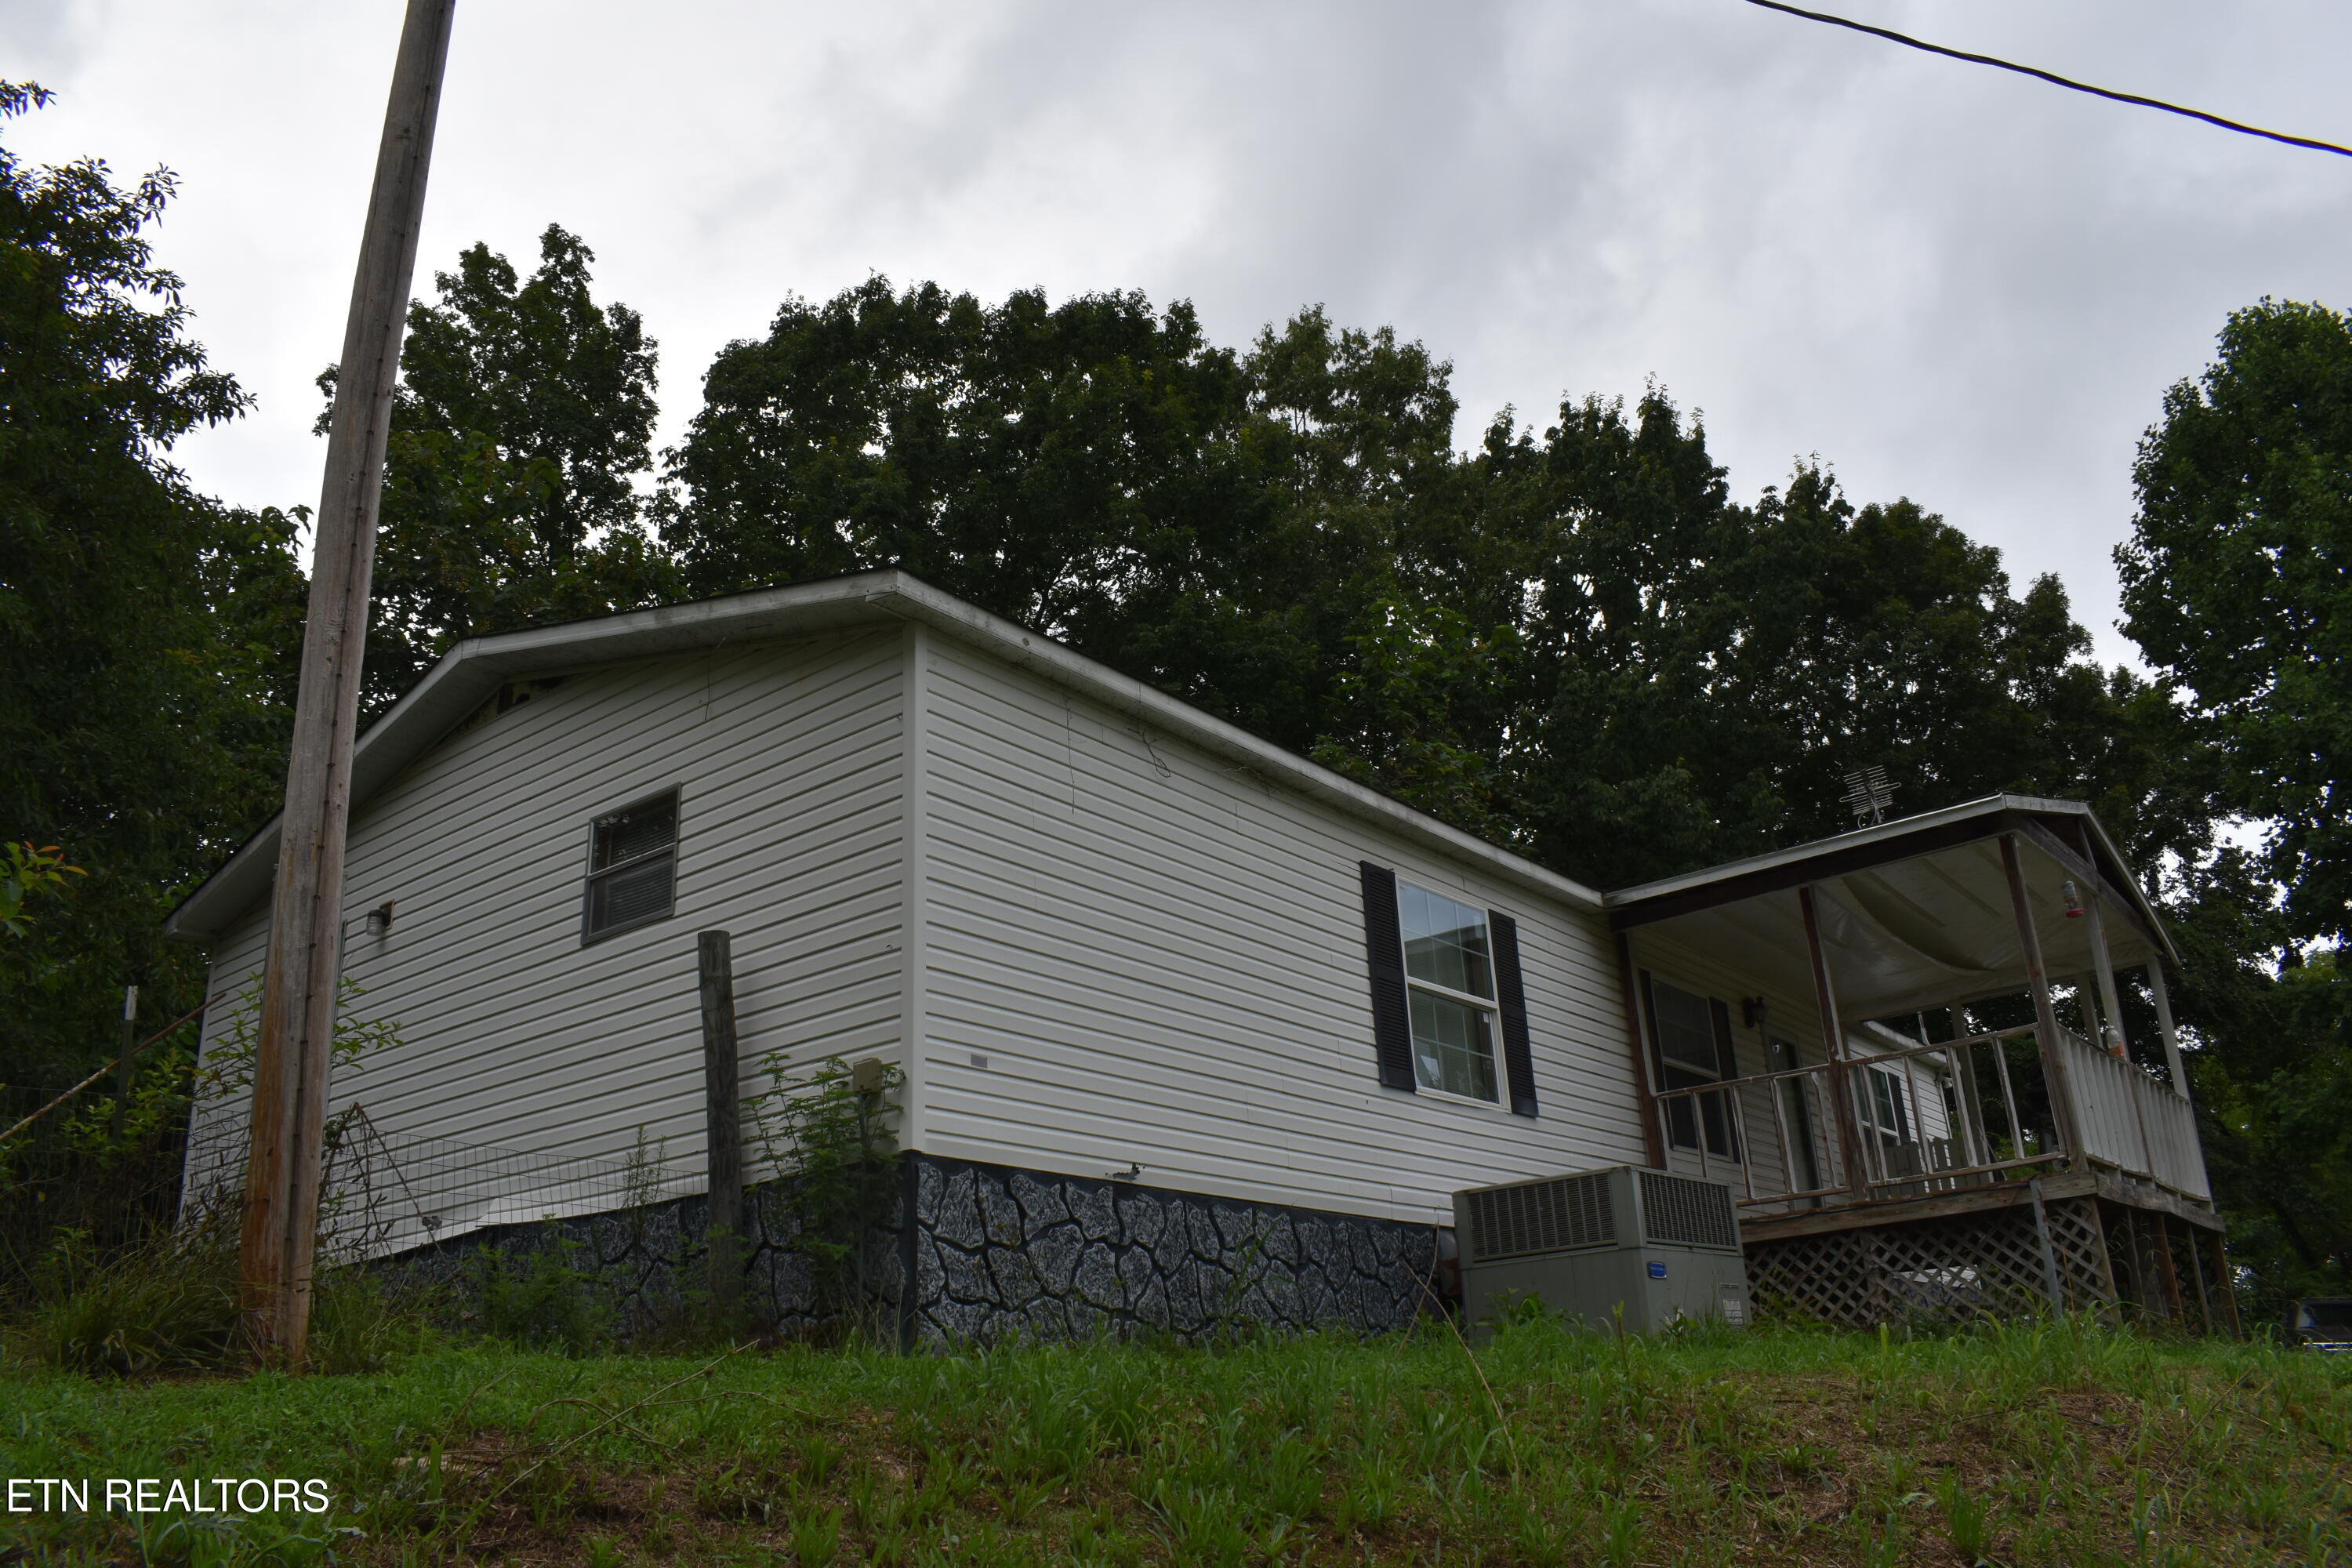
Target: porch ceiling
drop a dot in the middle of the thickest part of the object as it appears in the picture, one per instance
(1915, 914)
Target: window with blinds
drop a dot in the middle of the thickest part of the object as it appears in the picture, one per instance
(632, 868)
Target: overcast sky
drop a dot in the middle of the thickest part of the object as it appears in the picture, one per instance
(1950, 283)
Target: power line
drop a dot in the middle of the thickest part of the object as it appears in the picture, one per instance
(2054, 79)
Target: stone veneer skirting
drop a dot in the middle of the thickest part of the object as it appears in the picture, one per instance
(998, 1255)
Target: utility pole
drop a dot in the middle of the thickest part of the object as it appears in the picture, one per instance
(298, 1000)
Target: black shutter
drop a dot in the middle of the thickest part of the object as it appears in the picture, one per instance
(1384, 954)
(1511, 996)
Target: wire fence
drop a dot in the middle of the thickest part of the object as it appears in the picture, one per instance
(81, 1178)
(381, 1192)
(95, 1176)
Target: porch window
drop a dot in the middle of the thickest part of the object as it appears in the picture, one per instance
(1692, 1043)
(1890, 1106)
(632, 868)
(1449, 970)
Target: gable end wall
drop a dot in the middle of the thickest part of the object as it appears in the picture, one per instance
(515, 1036)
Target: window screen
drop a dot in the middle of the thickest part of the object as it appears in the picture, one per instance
(632, 867)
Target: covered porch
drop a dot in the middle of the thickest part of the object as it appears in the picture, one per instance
(1936, 1059)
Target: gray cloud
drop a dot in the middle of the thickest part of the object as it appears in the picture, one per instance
(1949, 282)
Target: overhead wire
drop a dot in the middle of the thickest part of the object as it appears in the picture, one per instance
(2052, 77)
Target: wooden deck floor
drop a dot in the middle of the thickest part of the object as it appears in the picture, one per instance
(1993, 1196)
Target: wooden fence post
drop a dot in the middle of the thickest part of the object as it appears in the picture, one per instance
(723, 1119)
(123, 1060)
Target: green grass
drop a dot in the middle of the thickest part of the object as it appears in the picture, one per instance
(2038, 1445)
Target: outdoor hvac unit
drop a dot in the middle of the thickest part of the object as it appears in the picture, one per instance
(1661, 1247)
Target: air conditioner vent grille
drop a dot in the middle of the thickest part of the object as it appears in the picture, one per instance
(1693, 1214)
(1541, 1217)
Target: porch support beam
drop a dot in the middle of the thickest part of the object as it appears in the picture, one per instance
(2102, 971)
(2095, 887)
(2164, 1026)
(1857, 1166)
(1653, 1139)
(2045, 1017)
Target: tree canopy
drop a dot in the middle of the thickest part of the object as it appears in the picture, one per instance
(1575, 642)
(2238, 584)
(2235, 584)
(523, 413)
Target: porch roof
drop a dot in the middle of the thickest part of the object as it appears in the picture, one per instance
(1915, 913)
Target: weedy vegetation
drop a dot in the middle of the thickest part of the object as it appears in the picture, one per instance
(2042, 1444)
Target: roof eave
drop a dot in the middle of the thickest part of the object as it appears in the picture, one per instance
(1899, 840)
(475, 668)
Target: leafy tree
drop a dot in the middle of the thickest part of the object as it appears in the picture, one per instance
(523, 413)
(1664, 677)
(1217, 525)
(144, 629)
(32, 872)
(1575, 643)
(2234, 585)
(2271, 1072)
(2238, 584)
(1044, 463)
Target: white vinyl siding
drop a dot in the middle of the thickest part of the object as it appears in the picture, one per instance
(216, 1150)
(788, 764)
(1161, 958)
(1160, 954)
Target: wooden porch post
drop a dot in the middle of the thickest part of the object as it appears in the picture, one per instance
(2227, 1283)
(1653, 1139)
(2167, 1275)
(1857, 1167)
(2111, 1031)
(2164, 1026)
(2045, 1017)
(2102, 971)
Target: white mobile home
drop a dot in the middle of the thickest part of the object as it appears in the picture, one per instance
(1163, 995)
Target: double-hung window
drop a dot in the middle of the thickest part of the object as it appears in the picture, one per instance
(1692, 1034)
(1449, 1000)
(632, 868)
(1449, 972)
(1890, 1107)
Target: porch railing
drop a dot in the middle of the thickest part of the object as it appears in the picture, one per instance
(2133, 1123)
(1972, 1111)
